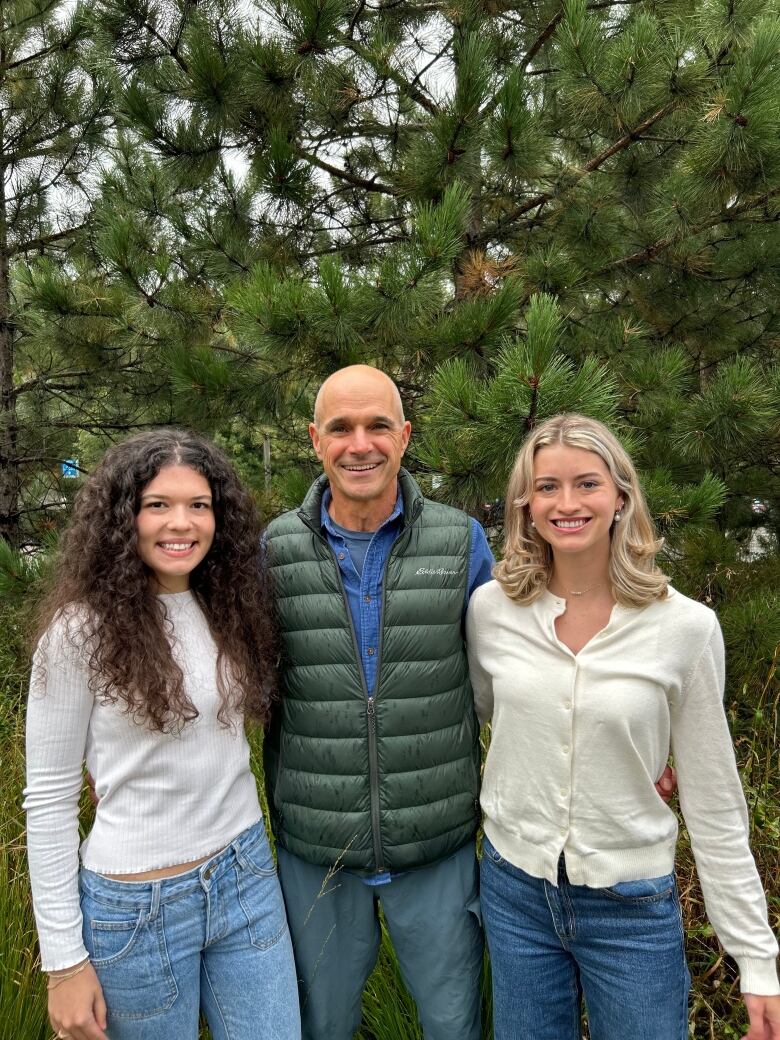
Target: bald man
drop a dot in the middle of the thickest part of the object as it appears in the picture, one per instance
(372, 764)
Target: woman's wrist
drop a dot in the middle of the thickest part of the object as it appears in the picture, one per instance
(61, 974)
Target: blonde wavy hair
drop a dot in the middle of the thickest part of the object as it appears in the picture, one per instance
(526, 567)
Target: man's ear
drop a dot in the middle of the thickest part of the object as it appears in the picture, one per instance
(407, 432)
(315, 438)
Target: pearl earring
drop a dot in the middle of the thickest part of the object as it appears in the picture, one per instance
(618, 516)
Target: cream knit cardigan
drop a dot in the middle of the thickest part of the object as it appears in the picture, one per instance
(578, 742)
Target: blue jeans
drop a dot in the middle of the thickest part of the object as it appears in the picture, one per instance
(620, 947)
(213, 939)
(432, 915)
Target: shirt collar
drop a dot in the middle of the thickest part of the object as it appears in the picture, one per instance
(327, 522)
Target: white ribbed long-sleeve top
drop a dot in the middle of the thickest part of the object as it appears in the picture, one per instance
(165, 798)
(578, 742)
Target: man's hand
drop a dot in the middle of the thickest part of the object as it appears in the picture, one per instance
(76, 1006)
(666, 786)
(764, 1015)
(94, 797)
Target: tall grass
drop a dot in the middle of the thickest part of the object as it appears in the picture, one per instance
(22, 987)
(388, 1011)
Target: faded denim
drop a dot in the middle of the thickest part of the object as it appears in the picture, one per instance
(212, 940)
(621, 948)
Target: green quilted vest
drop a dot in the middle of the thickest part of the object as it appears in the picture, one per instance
(388, 782)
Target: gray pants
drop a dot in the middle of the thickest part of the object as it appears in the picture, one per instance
(432, 915)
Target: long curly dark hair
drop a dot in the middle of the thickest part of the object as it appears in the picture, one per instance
(123, 626)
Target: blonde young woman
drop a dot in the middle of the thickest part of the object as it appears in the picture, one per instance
(592, 668)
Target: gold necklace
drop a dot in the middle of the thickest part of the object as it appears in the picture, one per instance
(590, 588)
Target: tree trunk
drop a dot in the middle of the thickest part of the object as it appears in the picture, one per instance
(9, 458)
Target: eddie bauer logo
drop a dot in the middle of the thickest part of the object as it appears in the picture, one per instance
(434, 570)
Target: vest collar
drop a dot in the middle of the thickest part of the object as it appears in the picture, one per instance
(312, 503)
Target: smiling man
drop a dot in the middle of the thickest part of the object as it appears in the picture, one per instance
(372, 764)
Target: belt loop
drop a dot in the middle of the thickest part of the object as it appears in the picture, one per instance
(240, 858)
(154, 908)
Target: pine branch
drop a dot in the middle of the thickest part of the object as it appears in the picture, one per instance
(407, 87)
(354, 19)
(652, 251)
(350, 247)
(38, 14)
(540, 200)
(540, 40)
(60, 45)
(345, 175)
(44, 240)
(38, 457)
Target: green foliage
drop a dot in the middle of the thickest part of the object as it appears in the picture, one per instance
(474, 426)
(55, 117)
(751, 629)
(18, 572)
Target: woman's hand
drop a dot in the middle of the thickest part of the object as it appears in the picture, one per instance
(76, 1006)
(764, 1015)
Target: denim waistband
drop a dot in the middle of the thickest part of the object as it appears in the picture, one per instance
(165, 890)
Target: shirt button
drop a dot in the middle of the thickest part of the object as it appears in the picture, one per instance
(567, 705)
(367, 599)
(370, 651)
(565, 749)
(341, 556)
(564, 792)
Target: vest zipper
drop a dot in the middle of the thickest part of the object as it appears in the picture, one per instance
(373, 755)
(373, 776)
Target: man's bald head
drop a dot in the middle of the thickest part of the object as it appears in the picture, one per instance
(356, 381)
(360, 435)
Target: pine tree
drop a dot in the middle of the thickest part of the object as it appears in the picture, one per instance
(54, 115)
(416, 172)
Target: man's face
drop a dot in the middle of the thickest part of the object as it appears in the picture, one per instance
(359, 436)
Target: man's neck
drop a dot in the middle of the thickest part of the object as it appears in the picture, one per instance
(362, 516)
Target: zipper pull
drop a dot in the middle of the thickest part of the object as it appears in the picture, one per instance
(370, 709)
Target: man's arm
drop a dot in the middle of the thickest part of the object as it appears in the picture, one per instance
(480, 561)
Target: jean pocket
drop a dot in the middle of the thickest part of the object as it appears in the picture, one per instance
(129, 955)
(260, 898)
(489, 851)
(259, 859)
(645, 890)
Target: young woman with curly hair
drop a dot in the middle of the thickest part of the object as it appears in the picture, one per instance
(156, 641)
(591, 667)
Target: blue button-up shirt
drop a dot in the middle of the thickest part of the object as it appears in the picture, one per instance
(364, 591)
